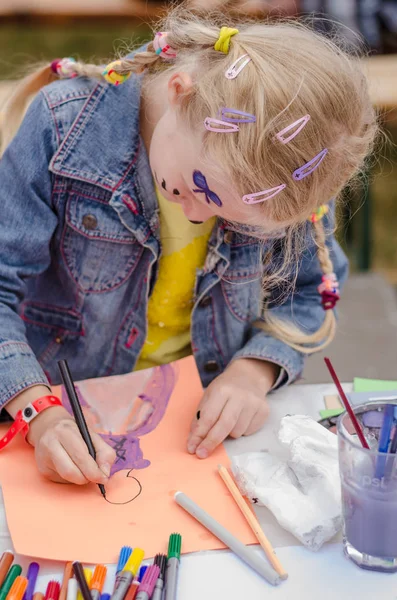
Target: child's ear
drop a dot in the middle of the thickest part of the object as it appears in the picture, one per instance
(180, 85)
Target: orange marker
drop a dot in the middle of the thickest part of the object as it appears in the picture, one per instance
(18, 588)
(132, 592)
(97, 581)
(67, 574)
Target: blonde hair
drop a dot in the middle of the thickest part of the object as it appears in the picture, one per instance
(293, 72)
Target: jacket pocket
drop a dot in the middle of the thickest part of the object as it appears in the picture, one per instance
(99, 252)
(49, 327)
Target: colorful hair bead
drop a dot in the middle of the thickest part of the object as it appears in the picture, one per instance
(65, 68)
(161, 47)
(319, 213)
(111, 75)
(329, 291)
(223, 42)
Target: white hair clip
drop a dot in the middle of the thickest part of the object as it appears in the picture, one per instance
(219, 126)
(296, 127)
(236, 67)
(263, 195)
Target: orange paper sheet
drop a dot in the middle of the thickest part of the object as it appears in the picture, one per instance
(66, 522)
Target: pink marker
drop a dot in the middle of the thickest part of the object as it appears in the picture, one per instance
(146, 588)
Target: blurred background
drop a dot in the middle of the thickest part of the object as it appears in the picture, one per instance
(41, 30)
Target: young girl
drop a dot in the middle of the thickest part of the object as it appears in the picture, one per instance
(178, 202)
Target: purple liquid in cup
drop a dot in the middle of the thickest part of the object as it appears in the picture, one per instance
(370, 516)
(369, 492)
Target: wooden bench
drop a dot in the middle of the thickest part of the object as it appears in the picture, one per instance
(61, 11)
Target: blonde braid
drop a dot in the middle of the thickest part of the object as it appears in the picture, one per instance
(293, 336)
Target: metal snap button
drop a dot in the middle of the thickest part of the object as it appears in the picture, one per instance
(211, 366)
(90, 222)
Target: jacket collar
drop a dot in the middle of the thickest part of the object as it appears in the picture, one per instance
(103, 143)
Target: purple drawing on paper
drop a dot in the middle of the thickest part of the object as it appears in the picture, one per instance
(142, 399)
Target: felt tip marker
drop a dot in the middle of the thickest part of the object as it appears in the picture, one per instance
(146, 588)
(18, 588)
(127, 574)
(171, 574)
(81, 580)
(72, 590)
(33, 571)
(97, 582)
(124, 555)
(12, 574)
(53, 590)
(161, 561)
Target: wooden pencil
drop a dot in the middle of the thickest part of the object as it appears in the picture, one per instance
(67, 574)
(252, 521)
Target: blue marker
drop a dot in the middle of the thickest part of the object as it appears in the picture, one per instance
(384, 439)
(142, 571)
(124, 555)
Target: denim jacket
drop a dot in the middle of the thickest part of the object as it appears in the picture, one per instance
(79, 252)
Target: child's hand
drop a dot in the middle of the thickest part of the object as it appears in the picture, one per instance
(233, 405)
(62, 455)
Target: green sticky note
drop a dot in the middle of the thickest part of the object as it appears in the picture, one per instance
(331, 412)
(374, 385)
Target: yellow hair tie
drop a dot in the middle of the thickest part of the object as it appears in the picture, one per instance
(111, 76)
(223, 42)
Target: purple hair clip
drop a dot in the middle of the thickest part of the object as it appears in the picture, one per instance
(237, 66)
(310, 166)
(237, 116)
(296, 127)
(263, 195)
(219, 126)
(228, 124)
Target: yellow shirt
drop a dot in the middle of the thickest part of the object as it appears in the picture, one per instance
(184, 248)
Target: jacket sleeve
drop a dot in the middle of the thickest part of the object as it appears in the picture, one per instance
(27, 223)
(301, 307)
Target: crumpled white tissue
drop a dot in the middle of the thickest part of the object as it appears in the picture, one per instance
(301, 486)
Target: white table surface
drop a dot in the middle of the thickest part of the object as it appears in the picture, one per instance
(326, 574)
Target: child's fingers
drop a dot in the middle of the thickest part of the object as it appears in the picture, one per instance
(63, 464)
(221, 429)
(77, 450)
(209, 409)
(243, 422)
(259, 418)
(105, 455)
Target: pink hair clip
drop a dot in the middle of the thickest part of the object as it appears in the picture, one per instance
(161, 47)
(310, 166)
(237, 66)
(297, 126)
(263, 195)
(237, 116)
(211, 125)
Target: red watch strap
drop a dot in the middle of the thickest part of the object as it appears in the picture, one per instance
(23, 417)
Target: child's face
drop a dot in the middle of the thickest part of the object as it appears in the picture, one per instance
(182, 176)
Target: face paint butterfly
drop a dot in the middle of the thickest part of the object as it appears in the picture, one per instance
(201, 182)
